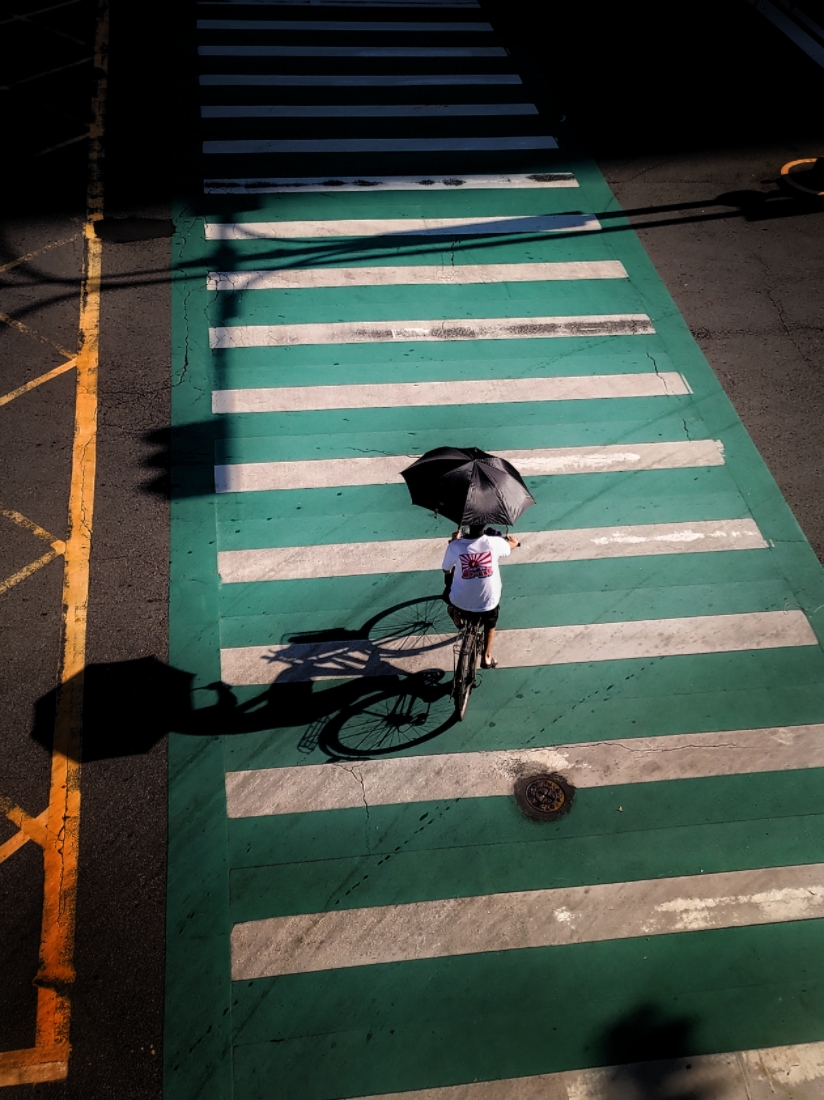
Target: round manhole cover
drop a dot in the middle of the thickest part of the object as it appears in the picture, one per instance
(544, 797)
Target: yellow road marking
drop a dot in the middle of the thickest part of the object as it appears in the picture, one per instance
(27, 571)
(60, 145)
(48, 1059)
(46, 72)
(38, 252)
(47, 377)
(29, 1069)
(11, 846)
(30, 828)
(42, 11)
(12, 322)
(34, 528)
(44, 27)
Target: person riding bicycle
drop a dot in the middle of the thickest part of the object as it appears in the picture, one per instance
(473, 578)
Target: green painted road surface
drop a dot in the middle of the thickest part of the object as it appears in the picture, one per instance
(357, 906)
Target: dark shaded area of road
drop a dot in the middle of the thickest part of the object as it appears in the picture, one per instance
(684, 110)
(117, 998)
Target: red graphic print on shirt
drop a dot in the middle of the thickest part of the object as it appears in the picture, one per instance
(476, 566)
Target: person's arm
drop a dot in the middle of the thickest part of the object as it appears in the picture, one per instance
(513, 542)
(448, 573)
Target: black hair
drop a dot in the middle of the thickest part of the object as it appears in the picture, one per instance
(475, 530)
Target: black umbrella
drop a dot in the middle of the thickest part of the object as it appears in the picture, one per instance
(468, 486)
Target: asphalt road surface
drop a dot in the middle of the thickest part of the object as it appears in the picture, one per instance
(690, 132)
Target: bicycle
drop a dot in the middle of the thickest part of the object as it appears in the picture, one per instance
(467, 653)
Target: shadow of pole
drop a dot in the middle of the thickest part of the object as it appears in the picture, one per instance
(753, 206)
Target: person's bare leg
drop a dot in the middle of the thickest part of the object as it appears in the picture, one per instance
(488, 638)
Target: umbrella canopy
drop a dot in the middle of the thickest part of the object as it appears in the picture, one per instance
(468, 486)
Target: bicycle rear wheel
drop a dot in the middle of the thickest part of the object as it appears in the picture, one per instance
(465, 671)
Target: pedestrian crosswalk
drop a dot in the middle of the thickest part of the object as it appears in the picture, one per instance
(375, 275)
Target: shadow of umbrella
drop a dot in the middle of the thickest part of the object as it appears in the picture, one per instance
(128, 706)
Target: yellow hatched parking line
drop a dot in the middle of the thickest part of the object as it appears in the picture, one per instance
(35, 382)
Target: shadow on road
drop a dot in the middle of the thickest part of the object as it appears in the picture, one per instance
(129, 706)
(751, 205)
(648, 1052)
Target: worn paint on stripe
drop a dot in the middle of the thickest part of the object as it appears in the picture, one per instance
(522, 648)
(797, 1070)
(380, 145)
(371, 110)
(346, 3)
(399, 227)
(374, 332)
(243, 477)
(418, 275)
(357, 559)
(474, 392)
(337, 184)
(316, 787)
(352, 51)
(312, 185)
(360, 80)
(524, 919)
(333, 25)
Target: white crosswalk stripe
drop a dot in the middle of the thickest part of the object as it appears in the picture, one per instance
(458, 143)
(523, 919)
(351, 51)
(244, 477)
(383, 227)
(345, 3)
(352, 559)
(730, 1075)
(311, 185)
(314, 788)
(519, 648)
(419, 275)
(371, 110)
(373, 332)
(474, 392)
(336, 25)
(358, 80)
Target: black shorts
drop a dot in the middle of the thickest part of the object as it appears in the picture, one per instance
(488, 619)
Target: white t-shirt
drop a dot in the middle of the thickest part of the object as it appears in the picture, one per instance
(476, 582)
